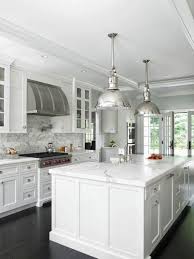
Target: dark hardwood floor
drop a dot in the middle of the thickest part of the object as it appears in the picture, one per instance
(25, 236)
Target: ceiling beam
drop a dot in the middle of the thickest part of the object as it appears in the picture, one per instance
(186, 18)
(34, 41)
(171, 82)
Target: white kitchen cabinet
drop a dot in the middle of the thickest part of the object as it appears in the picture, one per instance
(4, 98)
(79, 98)
(81, 109)
(9, 193)
(109, 121)
(167, 202)
(18, 186)
(18, 101)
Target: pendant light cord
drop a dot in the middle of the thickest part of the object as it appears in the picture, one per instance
(146, 93)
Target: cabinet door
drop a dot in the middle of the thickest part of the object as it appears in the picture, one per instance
(167, 202)
(109, 121)
(155, 220)
(82, 109)
(185, 186)
(4, 97)
(18, 96)
(9, 193)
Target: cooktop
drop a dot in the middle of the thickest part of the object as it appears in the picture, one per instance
(44, 154)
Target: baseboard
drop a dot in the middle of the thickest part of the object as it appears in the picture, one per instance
(89, 249)
(8, 213)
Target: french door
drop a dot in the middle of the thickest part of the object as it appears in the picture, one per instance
(191, 133)
(167, 134)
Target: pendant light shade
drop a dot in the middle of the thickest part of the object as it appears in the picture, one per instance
(147, 107)
(112, 98)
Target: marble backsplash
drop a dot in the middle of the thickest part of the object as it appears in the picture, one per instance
(38, 135)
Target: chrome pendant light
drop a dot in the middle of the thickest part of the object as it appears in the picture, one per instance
(147, 107)
(112, 98)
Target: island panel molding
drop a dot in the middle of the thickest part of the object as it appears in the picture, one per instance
(117, 212)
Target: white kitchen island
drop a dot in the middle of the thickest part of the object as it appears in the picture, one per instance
(118, 211)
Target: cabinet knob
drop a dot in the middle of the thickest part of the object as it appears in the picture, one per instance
(29, 195)
(156, 203)
(29, 167)
(1, 172)
(24, 127)
(29, 180)
(186, 167)
(2, 182)
(49, 188)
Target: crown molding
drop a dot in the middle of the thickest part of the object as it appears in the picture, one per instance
(186, 18)
(32, 40)
(171, 82)
(67, 81)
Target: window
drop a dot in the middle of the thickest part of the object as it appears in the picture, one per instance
(151, 134)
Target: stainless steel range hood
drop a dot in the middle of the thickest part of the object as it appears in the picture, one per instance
(47, 100)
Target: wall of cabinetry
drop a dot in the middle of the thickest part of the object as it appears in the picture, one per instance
(18, 186)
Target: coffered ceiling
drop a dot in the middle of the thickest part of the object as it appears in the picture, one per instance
(69, 38)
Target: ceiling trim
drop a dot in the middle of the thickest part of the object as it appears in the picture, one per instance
(171, 82)
(178, 93)
(186, 18)
(48, 47)
(66, 80)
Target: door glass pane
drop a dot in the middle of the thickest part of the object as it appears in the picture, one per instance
(180, 133)
(2, 74)
(1, 91)
(79, 92)
(87, 94)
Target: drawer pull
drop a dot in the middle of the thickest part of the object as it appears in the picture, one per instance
(29, 180)
(28, 167)
(186, 167)
(170, 175)
(29, 195)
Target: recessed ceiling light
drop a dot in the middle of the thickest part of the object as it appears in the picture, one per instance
(44, 56)
(83, 71)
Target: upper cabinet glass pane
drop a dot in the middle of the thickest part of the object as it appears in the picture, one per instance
(1, 91)
(2, 74)
(1, 105)
(79, 91)
(87, 106)
(87, 95)
(79, 104)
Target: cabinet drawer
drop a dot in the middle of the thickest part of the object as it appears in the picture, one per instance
(45, 190)
(7, 171)
(29, 196)
(28, 167)
(44, 175)
(28, 180)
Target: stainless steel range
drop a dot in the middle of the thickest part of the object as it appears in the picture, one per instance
(50, 159)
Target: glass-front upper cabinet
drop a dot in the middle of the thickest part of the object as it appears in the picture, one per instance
(83, 110)
(4, 97)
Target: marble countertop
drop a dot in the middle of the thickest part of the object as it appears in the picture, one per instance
(141, 172)
(6, 160)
